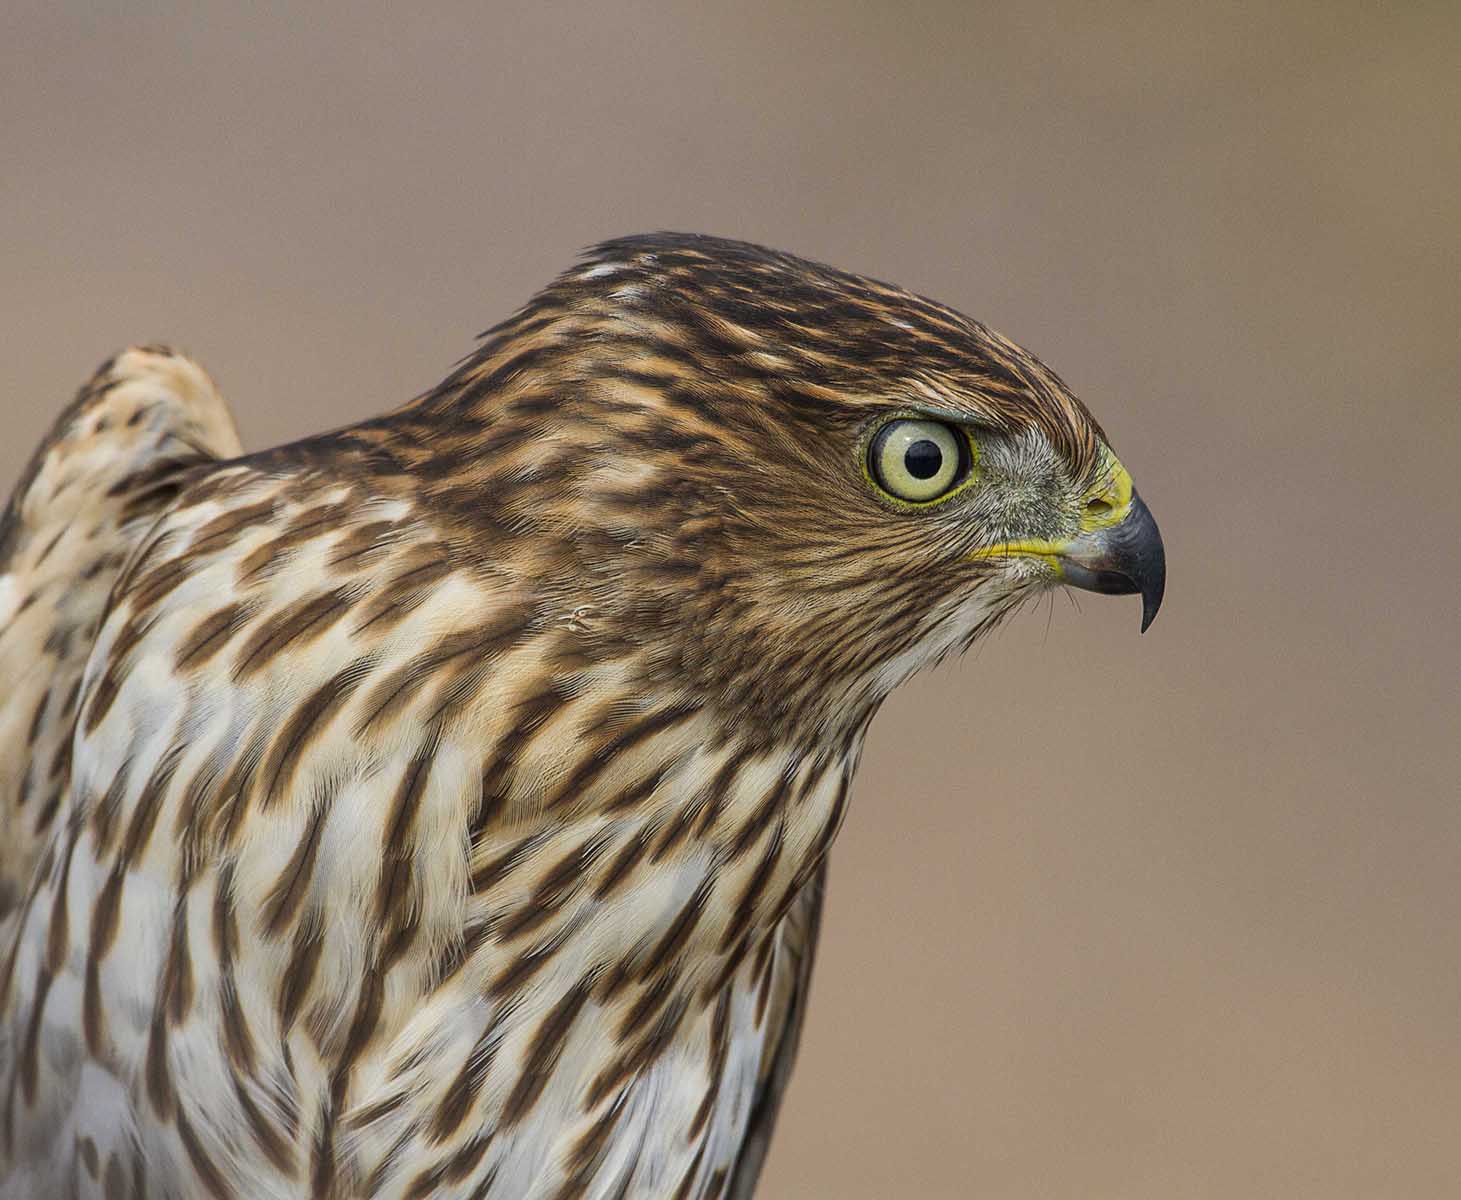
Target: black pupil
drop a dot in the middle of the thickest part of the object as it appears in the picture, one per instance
(923, 459)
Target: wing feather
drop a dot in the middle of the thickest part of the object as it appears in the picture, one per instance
(111, 462)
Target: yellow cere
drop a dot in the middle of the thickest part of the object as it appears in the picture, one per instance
(1108, 504)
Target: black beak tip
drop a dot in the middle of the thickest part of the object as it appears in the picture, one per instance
(1150, 602)
(1150, 561)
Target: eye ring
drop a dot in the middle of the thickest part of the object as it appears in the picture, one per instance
(918, 461)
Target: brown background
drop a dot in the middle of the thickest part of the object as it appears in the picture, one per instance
(1177, 916)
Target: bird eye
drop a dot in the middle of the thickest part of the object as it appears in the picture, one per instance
(917, 461)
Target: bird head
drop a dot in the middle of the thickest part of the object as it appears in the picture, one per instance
(786, 484)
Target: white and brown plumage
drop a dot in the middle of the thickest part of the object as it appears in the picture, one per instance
(439, 807)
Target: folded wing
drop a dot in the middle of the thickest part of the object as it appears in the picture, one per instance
(109, 465)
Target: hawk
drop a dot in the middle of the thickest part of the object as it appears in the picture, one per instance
(440, 806)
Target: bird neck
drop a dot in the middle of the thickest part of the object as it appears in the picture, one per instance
(657, 833)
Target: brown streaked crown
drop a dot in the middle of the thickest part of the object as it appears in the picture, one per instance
(796, 327)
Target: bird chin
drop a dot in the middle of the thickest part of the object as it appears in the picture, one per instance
(1030, 571)
(1015, 578)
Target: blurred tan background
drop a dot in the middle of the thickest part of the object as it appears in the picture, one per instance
(1173, 916)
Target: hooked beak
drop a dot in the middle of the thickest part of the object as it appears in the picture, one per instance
(1121, 559)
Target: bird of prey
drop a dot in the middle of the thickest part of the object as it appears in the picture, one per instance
(439, 807)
